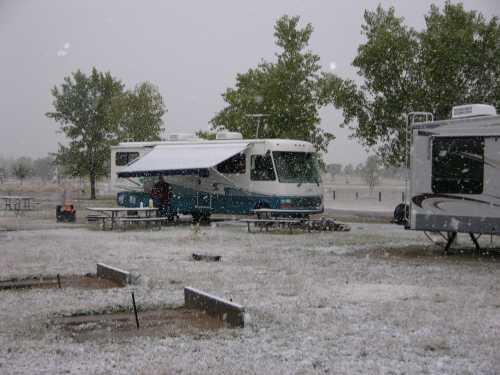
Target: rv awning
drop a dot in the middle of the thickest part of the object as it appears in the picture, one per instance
(181, 159)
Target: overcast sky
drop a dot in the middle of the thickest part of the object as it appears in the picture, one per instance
(191, 50)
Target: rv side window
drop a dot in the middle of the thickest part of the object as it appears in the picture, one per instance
(236, 164)
(123, 158)
(458, 165)
(262, 168)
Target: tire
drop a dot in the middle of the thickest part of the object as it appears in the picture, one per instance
(400, 214)
(200, 217)
(262, 205)
(196, 217)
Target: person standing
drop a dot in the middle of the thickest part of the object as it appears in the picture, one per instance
(160, 193)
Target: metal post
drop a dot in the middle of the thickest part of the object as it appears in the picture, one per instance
(334, 195)
(380, 196)
(356, 195)
(135, 311)
(403, 196)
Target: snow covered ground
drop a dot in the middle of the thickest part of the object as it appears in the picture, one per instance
(374, 300)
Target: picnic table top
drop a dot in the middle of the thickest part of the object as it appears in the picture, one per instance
(16, 197)
(286, 211)
(134, 218)
(271, 220)
(122, 209)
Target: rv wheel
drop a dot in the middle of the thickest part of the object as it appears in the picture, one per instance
(262, 205)
(199, 217)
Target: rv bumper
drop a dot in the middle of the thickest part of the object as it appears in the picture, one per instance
(301, 203)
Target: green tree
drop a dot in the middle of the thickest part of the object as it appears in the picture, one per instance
(205, 135)
(44, 167)
(83, 108)
(349, 169)
(452, 61)
(139, 113)
(5, 168)
(358, 170)
(287, 92)
(371, 171)
(334, 169)
(22, 168)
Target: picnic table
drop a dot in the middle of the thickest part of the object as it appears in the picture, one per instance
(290, 218)
(17, 202)
(115, 215)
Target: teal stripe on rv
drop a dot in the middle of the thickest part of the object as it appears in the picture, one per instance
(232, 201)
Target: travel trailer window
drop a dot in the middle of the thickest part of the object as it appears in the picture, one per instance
(233, 165)
(457, 165)
(123, 158)
(262, 168)
(296, 166)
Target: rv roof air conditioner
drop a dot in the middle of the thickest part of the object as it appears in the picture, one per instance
(228, 135)
(473, 110)
(181, 137)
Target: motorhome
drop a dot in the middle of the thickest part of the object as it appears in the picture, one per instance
(227, 175)
(454, 166)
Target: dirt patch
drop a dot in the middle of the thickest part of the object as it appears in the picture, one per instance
(68, 281)
(157, 322)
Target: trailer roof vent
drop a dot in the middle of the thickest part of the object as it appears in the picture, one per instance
(228, 135)
(473, 110)
(181, 137)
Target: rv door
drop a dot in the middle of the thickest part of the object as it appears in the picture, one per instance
(203, 200)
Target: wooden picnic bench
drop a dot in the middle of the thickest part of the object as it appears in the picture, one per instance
(158, 220)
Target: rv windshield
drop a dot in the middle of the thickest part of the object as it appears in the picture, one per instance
(296, 166)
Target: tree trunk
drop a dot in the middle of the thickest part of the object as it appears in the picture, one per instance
(92, 185)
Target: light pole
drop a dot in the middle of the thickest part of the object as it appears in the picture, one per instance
(258, 116)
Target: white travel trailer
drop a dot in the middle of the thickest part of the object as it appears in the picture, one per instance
(227, 175)
(455, 173)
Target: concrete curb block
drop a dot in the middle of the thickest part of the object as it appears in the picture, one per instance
(231, 313)
(113, 273)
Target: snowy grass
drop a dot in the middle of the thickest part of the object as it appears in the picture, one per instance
(365, 301)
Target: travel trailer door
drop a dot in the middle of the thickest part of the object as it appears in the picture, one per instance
(203, 200)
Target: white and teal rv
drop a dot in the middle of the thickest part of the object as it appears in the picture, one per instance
(228, 175)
